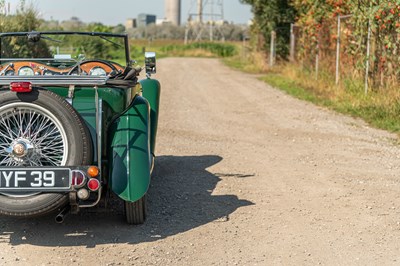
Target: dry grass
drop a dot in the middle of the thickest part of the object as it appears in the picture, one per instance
(190, 53)
(248, 61)
(380, 107)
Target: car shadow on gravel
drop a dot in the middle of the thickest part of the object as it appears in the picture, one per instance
(180, 199)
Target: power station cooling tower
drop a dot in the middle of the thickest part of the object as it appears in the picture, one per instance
(173, 11)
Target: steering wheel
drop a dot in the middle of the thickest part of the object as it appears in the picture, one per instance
(80, 64)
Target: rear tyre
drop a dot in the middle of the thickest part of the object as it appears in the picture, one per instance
(135, 212)
(52, 133)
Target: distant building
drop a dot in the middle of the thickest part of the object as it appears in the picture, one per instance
(162, 21)
(130, 23)
(145, 19)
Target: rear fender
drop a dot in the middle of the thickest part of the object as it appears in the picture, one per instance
(151, 91)
(129, 151)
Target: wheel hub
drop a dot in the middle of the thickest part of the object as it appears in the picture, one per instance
(19, 149)
(22, 149)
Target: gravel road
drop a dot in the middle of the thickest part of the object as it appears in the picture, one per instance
(245, 175)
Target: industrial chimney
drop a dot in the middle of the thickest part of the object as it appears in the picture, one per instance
(173, 11)
(199, 11)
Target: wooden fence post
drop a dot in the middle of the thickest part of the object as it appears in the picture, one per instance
(337, 50)
(317, 60)
(292, 43)
(367, 59)
(272, 49)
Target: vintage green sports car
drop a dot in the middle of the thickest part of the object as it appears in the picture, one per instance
(76, 125)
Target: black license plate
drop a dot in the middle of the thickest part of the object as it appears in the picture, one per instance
(35, 179)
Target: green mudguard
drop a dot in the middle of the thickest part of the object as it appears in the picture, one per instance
(151, 91)
(130, 158)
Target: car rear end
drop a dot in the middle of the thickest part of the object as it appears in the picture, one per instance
(61, 119)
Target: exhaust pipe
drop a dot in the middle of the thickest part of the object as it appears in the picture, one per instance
(60, 217)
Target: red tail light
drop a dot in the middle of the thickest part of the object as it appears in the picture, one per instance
(93, 184)
(21, 86)
(78, 179)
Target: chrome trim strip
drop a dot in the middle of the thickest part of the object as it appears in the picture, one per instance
(99, 115)
(37, 59)
(56, 80)
(152, 163)
(151, 159)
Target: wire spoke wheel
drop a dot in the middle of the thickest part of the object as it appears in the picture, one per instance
(31, 136)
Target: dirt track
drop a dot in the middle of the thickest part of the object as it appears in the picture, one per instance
(245, 175)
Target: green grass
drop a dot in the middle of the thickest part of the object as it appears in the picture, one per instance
(290, 87)
(205, 49)
(176, 48)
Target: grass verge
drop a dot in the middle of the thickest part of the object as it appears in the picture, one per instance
(176, 48)
(379, 108)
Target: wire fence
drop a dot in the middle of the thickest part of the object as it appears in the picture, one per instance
(338, 49)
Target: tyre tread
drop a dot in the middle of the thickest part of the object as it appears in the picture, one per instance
(135, 212)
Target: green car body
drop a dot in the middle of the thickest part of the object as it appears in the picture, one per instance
(121, 118)
(129, 132)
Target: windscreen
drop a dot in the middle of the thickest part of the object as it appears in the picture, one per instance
(61, 54)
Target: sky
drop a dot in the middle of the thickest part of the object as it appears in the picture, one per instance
(113, 12)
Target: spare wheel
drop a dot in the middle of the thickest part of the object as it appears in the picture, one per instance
(52, 134)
